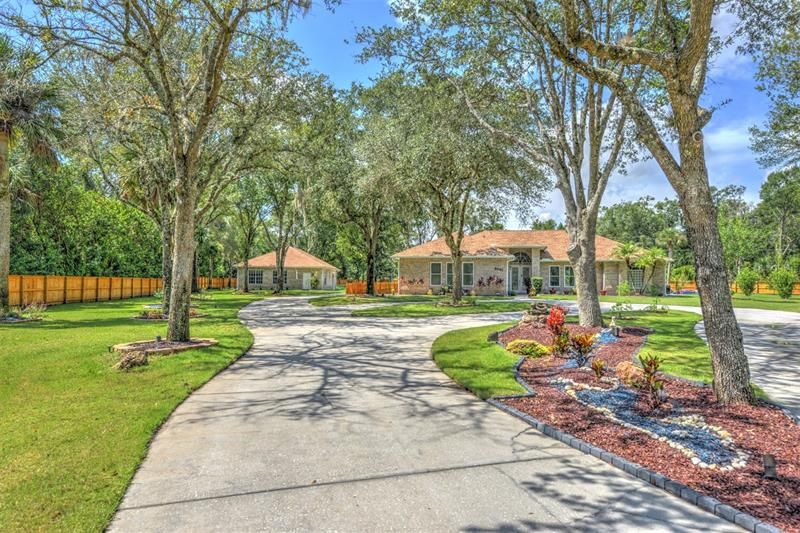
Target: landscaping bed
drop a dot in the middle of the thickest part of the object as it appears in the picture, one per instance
(715, 450)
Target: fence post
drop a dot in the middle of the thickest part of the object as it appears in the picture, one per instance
(21, 291)
(83, 285)
(65, 289)
(97, 289)
(45, 289)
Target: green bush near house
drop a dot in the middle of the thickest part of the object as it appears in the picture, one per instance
(527, 348)
(747, 280)
(782, 281)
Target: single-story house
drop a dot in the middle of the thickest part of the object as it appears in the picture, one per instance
(300, 268)
(498, 261)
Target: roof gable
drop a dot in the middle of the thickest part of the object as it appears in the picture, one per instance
(295, 258)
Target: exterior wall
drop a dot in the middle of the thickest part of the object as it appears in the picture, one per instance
(415, 275)
(294, 278)
(561, 287)
(655, 277)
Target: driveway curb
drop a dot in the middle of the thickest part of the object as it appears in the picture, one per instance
(707, 503)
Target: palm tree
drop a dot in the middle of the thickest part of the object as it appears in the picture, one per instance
(28, 114)
(628, 252)
(670, 238)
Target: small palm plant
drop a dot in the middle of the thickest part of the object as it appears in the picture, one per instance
(29, 114)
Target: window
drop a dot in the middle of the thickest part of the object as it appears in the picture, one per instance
(467, 274)
(449, 274)
(255, 277)
(522, 257)
(636, 278)
(569, 276)
(436, 273)
(555, 276)
(275, 277)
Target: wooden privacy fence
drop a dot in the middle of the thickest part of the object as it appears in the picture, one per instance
(381, 287)
(221, 282)
(52, 290)
(762, 287)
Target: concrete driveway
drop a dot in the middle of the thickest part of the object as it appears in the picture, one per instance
(337, 423)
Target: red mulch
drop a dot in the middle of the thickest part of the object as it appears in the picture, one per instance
(758, 429)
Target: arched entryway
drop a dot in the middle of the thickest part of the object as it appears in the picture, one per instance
(518, 269)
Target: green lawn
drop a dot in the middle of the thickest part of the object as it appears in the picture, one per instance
(756, 301)
(476, 364)
(487, 370)
(421, 310)
(73, 429)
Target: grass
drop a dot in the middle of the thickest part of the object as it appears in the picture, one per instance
(769, 302)
(475, 363)
(422, 310)
(73, 428)
(487, 370)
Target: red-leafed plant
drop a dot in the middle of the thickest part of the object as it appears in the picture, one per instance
(581, 348)
(652, 385)
(555, 321)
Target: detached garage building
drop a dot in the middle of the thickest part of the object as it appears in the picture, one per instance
(300, 267)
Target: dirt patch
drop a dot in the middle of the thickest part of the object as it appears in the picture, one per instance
(162, 347)
(755, 430)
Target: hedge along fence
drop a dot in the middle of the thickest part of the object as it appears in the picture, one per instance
(52, 290)
(762, 287)
(381, 287)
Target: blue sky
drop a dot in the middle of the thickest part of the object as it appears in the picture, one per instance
(323, 35)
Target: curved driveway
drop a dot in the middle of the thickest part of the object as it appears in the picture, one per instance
(337, 423)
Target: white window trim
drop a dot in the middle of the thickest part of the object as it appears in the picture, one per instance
(251, 273)
(463, 277)
(430, 274)
(565, 276)
(550, 275)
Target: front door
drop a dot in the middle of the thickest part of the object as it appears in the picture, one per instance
(525, 273)
(513, 277)
(306, 281)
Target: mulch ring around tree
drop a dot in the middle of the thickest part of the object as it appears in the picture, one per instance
(716, 450)
(137, 353)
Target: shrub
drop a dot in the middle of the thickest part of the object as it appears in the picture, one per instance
(746, 280)
(536, 285)
(527, 348)
(560, 344)
(555, 320)
(314, 281)
(650, 383)
(782, 281)
(581, 347)
(32, 311)
(628, 373)
(624, 289)
(599, 367)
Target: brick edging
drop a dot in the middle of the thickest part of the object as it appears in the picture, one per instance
(707, 503)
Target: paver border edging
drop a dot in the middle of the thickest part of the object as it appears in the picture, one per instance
(684, 492)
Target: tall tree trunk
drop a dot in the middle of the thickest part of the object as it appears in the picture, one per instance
(166, 259)
(195, 272)
(246, 277)
(5, 222)
(372, 245)
(182, 267)
(582, 257)
(458, 283)
(668, 273)
(731, 369)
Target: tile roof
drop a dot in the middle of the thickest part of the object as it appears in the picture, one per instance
(295, 258)
(499, 242)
